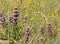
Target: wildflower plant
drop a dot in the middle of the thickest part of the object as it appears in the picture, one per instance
(4, 24)
(33, 13)
(14, 34)
(27, 33)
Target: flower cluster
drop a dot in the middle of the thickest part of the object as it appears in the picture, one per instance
(15, 12)
(42, 39)
(15, 15)
(2, 19)
(49, 32)
(27, 34)
(13, 20)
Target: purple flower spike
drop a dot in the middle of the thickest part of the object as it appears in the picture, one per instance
(15, 12)
(49, 31)
(27, 33)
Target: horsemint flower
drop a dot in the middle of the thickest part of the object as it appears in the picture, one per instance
(2, 19)
(15, 12)
(49, 26)
(49, 31)
(15, 15)
(27, 33)
(13, 20)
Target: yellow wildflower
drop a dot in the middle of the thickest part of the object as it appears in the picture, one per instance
(14, 4)
(53, 14)
(42, 15)
(28, 1)
(32, 18)
(26, 14)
